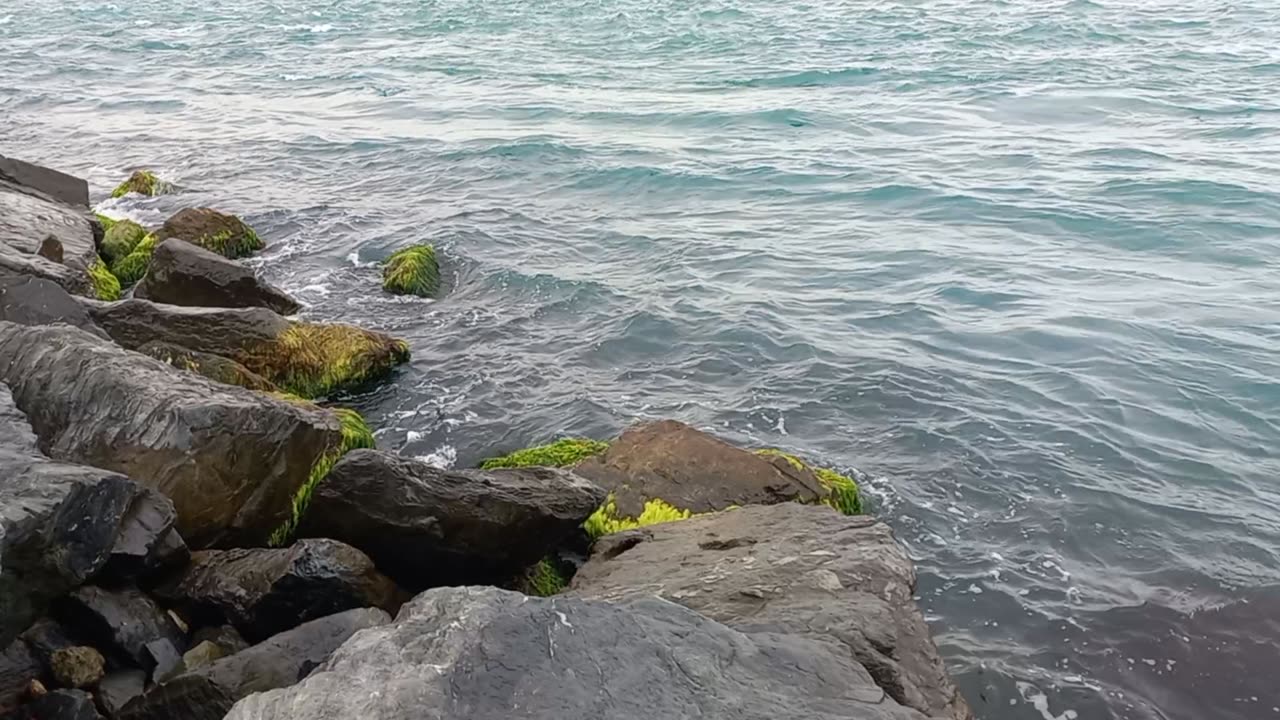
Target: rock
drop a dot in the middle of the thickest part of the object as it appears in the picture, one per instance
(122, 622)
(46, 636)
(226, 637)
(231, 460)
(77, 667)
(74, 281)
(306, 359)
(214, 367)
(31, 300)
(215, 231)
(118, 688)
(142, 182)
(263, 592)
(795, 569)
(487, 653)
(121, 239)
(147, 541)
(31, 220)
(412, 271)
(59, 186)
(209, 692)
(202, 654)
(424, 526)
(61, 705)
(185, 274)
(59, 522)
(18, 667)
(165, 660)
(691, 470)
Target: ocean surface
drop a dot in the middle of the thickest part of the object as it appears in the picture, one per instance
(1012, 262)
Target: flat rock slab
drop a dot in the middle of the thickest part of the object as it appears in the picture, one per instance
(184, 274)
(691, 470)
(263, 592)
(209, 692)
(33, 223)
(15, 262)
(790, 568)
(30, 300)
(57, 185)
(229, 459)
(485, 653)
(425, 526)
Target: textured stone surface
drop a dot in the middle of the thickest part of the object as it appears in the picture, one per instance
(209, 692)
(184, 274)
(18, 667)
(789, 568)
(30, 220)
(488, 653)
(57, 185)
(121, 622)
(200, 225)
(214, 367)
(263, 592)
(59, 522)
(30, 300)
(691, 470)
(229, 459)
(60, 705)
(424, 526)
(77, 667)
(15, 262)
(118, 688)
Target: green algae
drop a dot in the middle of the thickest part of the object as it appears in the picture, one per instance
(121, 239)
(142, 182)
(355, 435)
(105, 284)
(314, 360)
(560, 453)
(842, 490)
(412, 271)
(133, 266)
(606, 520)
(544, 579)
(105, 221)
(232, 244)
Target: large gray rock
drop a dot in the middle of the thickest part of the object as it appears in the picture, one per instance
(692, 470)
(488, 653)
(57, 185)
(425, 526)
(31, 300)
(209, 692)
(122, 622)
(60, 523)
(230, 459)
(184, 274)
(795, 569)
(74, 281)
(32, 223)
(267, 591)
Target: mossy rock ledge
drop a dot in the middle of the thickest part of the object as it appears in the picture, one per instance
(310, 360)
(412, 271)
(215, 231)
(142, 182)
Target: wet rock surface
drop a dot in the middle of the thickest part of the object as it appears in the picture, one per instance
(184, 274)
(424, 526)
(31, 300)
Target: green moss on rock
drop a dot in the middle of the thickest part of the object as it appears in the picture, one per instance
(133, 266)
(120, 239)
(232, 243)
(560, 453)
(105, 284)
(412, 271)
(606, 520)
(544, 579)
(214, 231)
(314, 360)
(142, 182)
(105, 221)
(355, 435)
(842, 490)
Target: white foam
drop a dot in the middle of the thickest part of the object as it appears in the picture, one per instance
(1038, 700)
(442, 457)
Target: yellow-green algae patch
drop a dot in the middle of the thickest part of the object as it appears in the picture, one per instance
(105, 221)
(355, 435)
(105, 285)
(232, 244)
(120, 239)
(412, 271)
(142, 182)
(130, 268)
(544, 579)
(842, 491)
(560, 453)
(606, 520)
(313, 360)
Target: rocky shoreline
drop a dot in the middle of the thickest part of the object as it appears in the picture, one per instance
(190, 530)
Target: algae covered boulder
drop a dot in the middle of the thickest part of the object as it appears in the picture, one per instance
(561, 453)
(412, 271)
(142, 182)
(219, 232)
(214, 367)
(120, 239)
(309, 360)
(230, 459)
(133, 266)
(184, 274)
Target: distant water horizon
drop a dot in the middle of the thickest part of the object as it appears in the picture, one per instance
(1013, 263)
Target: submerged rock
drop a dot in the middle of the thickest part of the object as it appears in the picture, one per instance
(218, 232)
(231, 460)
(795, 569)
(425, 526)
(142, 182)
(209, 692)
(307, 359)
(184, 274)
(266, 591)
(412, 271)
(487, 653)
(691, 470)
(30, 300)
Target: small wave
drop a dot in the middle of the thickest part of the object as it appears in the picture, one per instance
(813, 78)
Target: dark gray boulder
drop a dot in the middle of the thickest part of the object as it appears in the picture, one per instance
(30, 300)
(15, 262)
(33, 223)
(263, 592)
(122, 623)
(230, 459)
(209, 692)
(692, 470)
(47, 636)
(118, 688)
(18, 667)
(425, 526)
(487, 653)
(147, 542)
(60, 705)
(60, 523)
(789, 568)
(183, 274)
(59, 186)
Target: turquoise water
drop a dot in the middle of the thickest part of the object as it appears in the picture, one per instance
(1014, 261)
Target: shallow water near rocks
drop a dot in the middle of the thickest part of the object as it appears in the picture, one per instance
(1014, 261)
